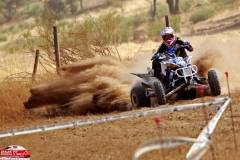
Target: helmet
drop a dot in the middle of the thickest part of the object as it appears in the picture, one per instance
(168, 37)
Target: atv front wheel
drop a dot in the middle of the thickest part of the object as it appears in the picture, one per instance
(138, 96)
(159, 92)
(214, 83)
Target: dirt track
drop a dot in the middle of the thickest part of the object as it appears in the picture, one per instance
(218, 25)
(118, 140)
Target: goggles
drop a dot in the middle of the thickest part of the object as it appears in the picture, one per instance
(167, 37)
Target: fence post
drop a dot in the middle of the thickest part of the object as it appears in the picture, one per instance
(231, 111)
(35, 64)
(167, 21)
(56, 47)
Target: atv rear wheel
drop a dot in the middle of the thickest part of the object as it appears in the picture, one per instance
(214, 83)
(138, 96)
(159, 92)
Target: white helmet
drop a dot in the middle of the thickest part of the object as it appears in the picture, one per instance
(168, 37)
(167, 30)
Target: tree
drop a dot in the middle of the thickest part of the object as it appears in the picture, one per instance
(173, 6)
(57, 7)
(73, 6)
(8, 8)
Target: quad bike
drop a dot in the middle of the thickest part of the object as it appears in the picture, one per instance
(180, 79)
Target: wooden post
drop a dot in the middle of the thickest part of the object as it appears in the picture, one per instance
(35, 64)
(231, 111)
(167, 21)
(56, 47)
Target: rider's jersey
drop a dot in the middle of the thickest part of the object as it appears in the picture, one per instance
(172, 51)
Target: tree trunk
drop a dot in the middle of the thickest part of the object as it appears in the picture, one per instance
(176, 9)
(170, 5)
(173, 6)
(154, 9)
(81, 4)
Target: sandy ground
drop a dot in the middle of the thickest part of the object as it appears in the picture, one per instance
(118, 140)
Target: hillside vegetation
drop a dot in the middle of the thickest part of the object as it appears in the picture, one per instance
(91, 27)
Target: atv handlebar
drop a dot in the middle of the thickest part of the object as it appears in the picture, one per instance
(164, 55)
(182, 46)
(159, 56)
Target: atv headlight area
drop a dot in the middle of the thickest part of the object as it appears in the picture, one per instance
(186, 72)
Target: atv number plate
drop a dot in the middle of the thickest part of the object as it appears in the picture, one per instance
(187, 72)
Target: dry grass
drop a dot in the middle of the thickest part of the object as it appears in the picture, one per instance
(90, 38)
(15, 63)
(14, 88)
(15, 83)
(202, 14)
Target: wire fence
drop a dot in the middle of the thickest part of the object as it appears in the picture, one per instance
(110, 118)
(19, 67)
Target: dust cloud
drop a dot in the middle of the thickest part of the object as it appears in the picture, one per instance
(93, 85)
(210, 59)
(222, 53)
(102, 84)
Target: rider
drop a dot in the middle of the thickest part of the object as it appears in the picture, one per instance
(170, 46)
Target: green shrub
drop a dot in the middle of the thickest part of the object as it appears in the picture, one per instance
(94, 36)
(3, 38)
(202, 14)
(13, 29)
(2, 19)
(111, 28)
(24, 42)
(115, 3)
(34, 10)
(175, 22)
(137, 20)
(223, 2)
(162, 10)
(15, 45)
(62, 24)
(186, 5)
(154, 27)
(57, 7)
(125, 31)
(72, 6)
